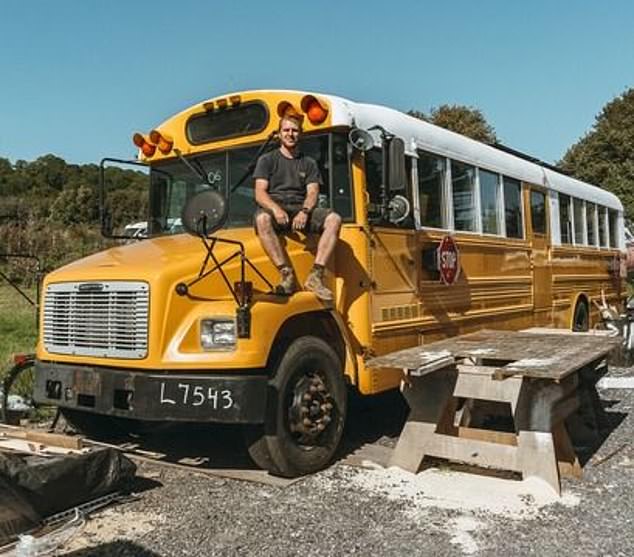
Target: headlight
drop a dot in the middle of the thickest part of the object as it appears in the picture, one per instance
(217, 333)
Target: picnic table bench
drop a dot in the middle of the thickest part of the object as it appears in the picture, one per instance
(542, 375)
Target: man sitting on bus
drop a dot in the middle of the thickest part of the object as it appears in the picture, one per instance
(286, 190)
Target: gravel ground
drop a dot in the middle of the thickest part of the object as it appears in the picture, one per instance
(351, 510)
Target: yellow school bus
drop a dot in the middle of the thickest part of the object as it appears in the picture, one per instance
(441, 235)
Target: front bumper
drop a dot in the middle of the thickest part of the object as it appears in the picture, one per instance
(158, 396)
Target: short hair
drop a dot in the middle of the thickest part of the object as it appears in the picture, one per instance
(292, 116)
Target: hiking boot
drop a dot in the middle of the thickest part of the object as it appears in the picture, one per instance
(315, 283)
(288, 283)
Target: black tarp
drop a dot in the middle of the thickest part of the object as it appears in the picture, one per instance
(34, 487)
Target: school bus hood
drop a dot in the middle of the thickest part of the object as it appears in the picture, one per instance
(167, 258)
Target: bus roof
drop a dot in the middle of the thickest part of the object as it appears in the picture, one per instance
(419, 134)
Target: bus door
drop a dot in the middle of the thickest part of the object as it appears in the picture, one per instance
(536, 203)
(393, 257)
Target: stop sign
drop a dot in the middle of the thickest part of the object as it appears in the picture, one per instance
(448, 260)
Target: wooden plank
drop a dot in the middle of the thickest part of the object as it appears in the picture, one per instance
(536, 457)
(488, 435)
(473, 384)
(531, 354)
(416, 361)
(45, 438)
(474, 451)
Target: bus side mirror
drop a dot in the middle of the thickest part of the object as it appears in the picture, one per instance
(397, 175)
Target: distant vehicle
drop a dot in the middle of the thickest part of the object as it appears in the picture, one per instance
(136, 230)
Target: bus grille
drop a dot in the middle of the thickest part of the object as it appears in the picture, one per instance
(105, 319)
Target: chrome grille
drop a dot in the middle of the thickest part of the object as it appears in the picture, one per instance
(107, 319)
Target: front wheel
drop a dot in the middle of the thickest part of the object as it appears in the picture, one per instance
(306, 411)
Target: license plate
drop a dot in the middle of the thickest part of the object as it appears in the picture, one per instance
(173, 393)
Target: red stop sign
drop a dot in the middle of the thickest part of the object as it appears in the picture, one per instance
(448, 260)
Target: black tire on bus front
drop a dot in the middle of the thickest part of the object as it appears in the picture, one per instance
(309, 375)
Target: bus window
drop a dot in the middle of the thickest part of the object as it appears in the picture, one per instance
(538, 212)
(613, 223)
(603, 231)
(242, 200)
(316, 147)
(591, 215)
(431, 181)
(374, 179)
(341, 192)
(565, 223)
(579, 218)
(489, 194)
(463, 194)
(513, 208)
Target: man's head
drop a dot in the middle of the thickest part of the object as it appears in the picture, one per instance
(290, 130)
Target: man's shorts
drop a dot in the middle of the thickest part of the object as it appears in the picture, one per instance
(314, 224)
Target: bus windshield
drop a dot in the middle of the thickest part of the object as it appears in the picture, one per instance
(173, 183)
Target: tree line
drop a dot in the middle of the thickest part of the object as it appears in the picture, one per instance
(49, 207)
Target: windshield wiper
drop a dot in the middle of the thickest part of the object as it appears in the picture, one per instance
(198, 172)
(254, 161)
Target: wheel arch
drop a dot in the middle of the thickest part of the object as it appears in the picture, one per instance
(578, 298)
(326, 325)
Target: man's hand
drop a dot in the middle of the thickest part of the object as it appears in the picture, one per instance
(280, 215)
(299, 222)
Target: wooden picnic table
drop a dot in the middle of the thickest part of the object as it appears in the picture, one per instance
(541, 376)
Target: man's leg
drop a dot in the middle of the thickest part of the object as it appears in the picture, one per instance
(273, 248)
(325, 247)
(328, 240)
(268, 238)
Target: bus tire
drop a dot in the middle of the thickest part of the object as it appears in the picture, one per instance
(306, 410)
(581, 317)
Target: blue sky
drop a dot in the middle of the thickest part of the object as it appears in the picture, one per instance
(78, 77)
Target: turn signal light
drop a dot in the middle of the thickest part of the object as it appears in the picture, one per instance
(146, 147)
(284, 108)
(315, 110)
(163, 141)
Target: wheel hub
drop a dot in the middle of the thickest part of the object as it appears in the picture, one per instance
(312, 407)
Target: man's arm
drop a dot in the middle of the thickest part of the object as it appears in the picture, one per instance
(264, 200)
(310, 202)
(312, 195)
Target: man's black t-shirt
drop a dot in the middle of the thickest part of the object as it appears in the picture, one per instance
(287, 178)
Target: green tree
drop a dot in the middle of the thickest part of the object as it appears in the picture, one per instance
(605, 155)
(460, 119)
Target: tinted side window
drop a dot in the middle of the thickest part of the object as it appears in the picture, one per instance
(565, 222)
(579, 213)
(431, 179)
(489, 193)
(373, 179)
(463, 192)
(591, 213)
(603, 231)
(341, 190)
(613, 219)
(513, 208)
(538, 212)
(317, 148)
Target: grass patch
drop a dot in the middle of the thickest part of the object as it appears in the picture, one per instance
(17, 325)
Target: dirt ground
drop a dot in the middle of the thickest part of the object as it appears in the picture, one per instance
(363, 510)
